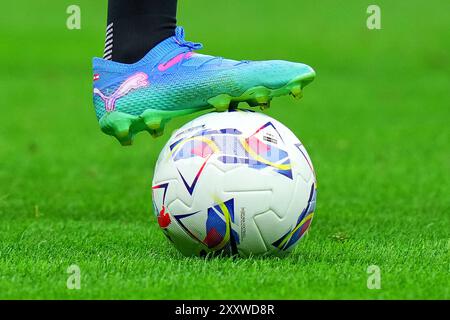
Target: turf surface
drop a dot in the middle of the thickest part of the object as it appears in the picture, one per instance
(375, 122)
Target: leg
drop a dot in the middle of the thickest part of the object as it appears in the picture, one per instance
(136, 26)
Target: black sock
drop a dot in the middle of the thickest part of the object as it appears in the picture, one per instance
(136, 26)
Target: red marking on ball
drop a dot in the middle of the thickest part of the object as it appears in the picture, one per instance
(163, 218)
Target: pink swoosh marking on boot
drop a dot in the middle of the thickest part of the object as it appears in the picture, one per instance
(136, 81)
(177, 59)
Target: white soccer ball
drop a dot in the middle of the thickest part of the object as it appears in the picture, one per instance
(235, 182)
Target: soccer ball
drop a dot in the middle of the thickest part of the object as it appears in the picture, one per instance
(237, 183)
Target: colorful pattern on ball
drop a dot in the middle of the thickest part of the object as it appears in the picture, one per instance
(219, 231)
(230, 147)
(303, 223)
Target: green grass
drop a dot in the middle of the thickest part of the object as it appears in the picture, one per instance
(375, 123)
